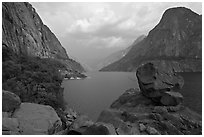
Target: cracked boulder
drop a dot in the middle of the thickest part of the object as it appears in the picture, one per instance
(156, 81)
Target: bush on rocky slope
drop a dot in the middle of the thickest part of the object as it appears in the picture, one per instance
(33, 79)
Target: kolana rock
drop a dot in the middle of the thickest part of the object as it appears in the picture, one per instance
(36, 119)
(158, 81)
(10, 101)
(154, 109)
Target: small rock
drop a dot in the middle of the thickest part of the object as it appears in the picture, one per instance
(10, 133)
(152, 131)
(73, 132)
(6, 114)
(171, 98)
(135, 129)
(100, 129)
(10, 124)
(142, 127)
(71, 113)
(81, 121)
(160, 109)
(62, 132)
(10, 101)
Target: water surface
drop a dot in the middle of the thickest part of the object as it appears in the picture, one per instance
(96, 93)
(192, 90)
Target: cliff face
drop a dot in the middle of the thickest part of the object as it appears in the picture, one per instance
(176, 41)
(24, 32)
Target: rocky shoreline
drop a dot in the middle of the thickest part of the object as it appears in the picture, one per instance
(154, 109)
(72, 75)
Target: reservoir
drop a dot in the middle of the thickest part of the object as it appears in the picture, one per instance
(92, 95)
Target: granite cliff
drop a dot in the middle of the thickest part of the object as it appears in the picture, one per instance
(175, 41)
(24, 32)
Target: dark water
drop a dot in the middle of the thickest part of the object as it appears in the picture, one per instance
(96, 93)
(192, 90)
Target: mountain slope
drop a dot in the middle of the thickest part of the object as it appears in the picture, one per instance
(175, 42)
(119, 54)
(24, 32)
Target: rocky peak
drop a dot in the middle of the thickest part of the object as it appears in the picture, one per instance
(179, 29)
(176, 40)
(179, 15)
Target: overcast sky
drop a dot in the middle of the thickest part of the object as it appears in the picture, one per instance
(90, 31)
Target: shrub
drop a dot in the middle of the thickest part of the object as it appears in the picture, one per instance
(33, 79)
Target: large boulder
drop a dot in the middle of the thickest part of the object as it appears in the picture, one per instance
(35, 119)
(10, 101)
(155, 80)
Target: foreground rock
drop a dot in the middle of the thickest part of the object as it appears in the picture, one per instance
(134, 113)
(82, 125)
(35, 119)
(158, 81)
(171, 98)
(10, 101)
(100, 129)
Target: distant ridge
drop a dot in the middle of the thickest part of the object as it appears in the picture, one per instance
(176, 41)
(119, 54)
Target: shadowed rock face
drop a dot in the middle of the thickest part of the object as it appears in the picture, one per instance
(175, 42)
(24, 32)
